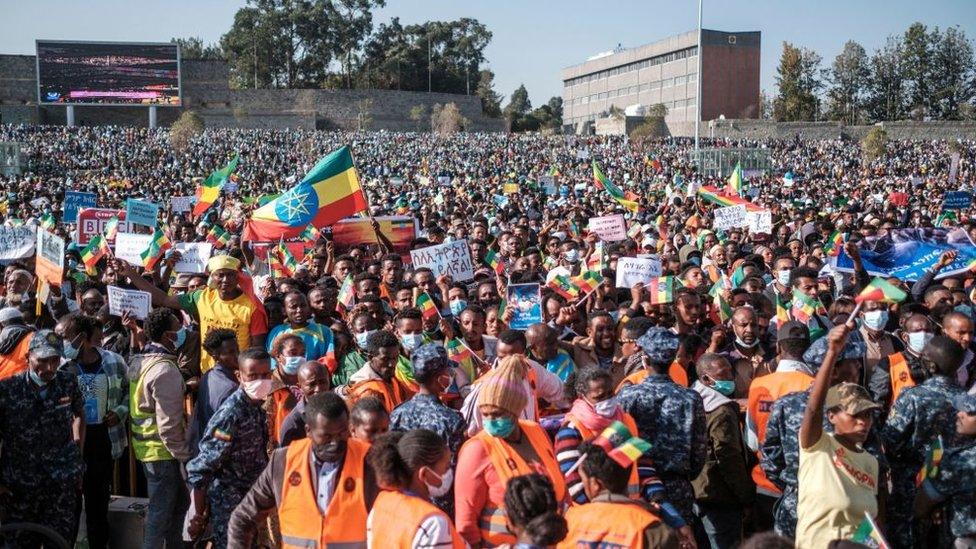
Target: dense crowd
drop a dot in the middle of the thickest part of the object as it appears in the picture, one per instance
(751, 393)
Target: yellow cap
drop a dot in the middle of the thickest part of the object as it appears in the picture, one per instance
(219, 262)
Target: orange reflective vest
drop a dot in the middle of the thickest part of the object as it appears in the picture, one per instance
(604, 524)
(508, 464)
(392, 393)
(302, 523)
(15, 362)
(901, 375)
(396, 518)
(763, 392)
(676, 372)
(633, 484)
(283, 403)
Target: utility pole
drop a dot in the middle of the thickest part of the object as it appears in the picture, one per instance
(429, 79)
(698, 99)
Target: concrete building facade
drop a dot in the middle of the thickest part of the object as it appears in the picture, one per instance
(666, 72)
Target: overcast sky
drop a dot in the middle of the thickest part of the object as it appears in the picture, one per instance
(533, 39)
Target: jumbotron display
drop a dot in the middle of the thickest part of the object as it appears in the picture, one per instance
(108, 73)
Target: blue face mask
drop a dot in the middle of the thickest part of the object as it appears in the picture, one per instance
(36, 378)
(411, 341)
(876, 320)
(362, 337)
(726, 387)
(70, 351)
(291, 364)
(695, 260)
(180, 338)
(500, 427)
(457, 306)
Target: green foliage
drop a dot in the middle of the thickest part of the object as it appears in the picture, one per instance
(186, 127)
(849, 76)
(491, 101)
(873, 144)
(417, 114)
(550, 115)
(952, 75)
(798, 77)
(886, 85)
(194, 48)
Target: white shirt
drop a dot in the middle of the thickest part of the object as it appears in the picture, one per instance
(548, 386)
(325, 482)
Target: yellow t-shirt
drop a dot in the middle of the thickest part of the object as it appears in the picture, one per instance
(836, 487)
(241, 314)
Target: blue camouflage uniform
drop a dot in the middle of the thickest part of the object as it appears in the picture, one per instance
(916, 419)
(41, 465)
(672, 419)
(780, 455)
(956, 480)
(232, 455)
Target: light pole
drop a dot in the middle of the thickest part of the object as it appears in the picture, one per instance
(698, 98)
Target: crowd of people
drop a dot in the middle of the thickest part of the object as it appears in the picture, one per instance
(358, 400)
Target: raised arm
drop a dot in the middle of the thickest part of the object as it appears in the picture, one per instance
(159, 297)
(812, 427)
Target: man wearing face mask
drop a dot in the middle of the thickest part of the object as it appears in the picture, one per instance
(723, 488)
(746, 354)
(879, 343)
(320, 485)
(362, 325)
(377, 378)
(901, 370)
(42, 427)
(233, 451)
(781, 268)
(570, 256)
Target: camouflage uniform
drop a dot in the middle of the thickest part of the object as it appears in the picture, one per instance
(920, 414)
(232, 455)
(780, 456)
(956, 480)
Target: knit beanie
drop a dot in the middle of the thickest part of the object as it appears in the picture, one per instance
(504, 387)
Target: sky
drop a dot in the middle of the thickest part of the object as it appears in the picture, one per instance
(533, 39)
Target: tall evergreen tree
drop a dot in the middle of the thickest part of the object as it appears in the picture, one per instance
(849, 78)
(798, 77)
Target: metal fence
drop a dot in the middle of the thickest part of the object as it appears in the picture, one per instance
(721, 162)
(9, 158)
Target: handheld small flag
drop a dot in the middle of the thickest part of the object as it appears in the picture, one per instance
(47, 221)
(782, 312)
(218, 236)
(932, 461)
(621, 445)
(426, 305)
(881, 290)
(346, 295)
(208, 192)
(661, 290)
(274, 264)
(157, 247)
(595, 261)
(310, 235)
(288, 262)
(601, 182)
(736, 180)
(804, 306)
(493, 261)
(834, 244)
(869, 535)
(112, 228)
(96, 249)
(564, 287)
(588, 281)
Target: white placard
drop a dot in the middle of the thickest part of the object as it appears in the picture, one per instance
(135, 302)
(194, 256)
(760, 222)
(453, 258)
(129, 246)
(730, 217)
(693, 187)
(181, 204)
(17, 242)
(609, 228)
(631, 270)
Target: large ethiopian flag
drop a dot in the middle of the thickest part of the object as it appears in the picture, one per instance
(329, 192)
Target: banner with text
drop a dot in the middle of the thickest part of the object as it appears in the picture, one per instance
(453, 258)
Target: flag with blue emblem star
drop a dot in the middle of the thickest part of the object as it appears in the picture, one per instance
(330, 192)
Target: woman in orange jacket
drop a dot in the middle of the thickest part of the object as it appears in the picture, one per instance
(411, 468)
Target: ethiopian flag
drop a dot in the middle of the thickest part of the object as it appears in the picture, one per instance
(96, 249)
(157, 247)
(328, 193)
(881, 290)
(209, 190)
(601, 182)
(661, 290)
(426, 306)
(736, 181)
(869, 535)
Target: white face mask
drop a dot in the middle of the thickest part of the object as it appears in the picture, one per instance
(783, 277)
(918, 340)
(606, 408)
(257, 389)
(447, 479)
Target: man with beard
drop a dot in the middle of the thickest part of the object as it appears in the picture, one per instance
(320, 485)
(746, 353)
(901, 370)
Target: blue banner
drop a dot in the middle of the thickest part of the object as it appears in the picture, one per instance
(74, 201)
(957, 200)
(141, 212)
(907, 253)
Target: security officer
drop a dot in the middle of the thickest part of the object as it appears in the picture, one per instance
(670, 417)
(917, 418)
(233, 451)
(41, 431)
(956, 478)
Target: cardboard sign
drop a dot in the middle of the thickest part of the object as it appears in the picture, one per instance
(525, 301)
(194, 256)
(92, 221)
(74, 202)
(760, 222)
(453, 259)
(140, 212)
(730, 217)
(180, 204)
(631, 270)
(134, 302)
(16, 242)
(957, 200)
(50, 257)
(129, 246)
(609, 228)
(355, 231)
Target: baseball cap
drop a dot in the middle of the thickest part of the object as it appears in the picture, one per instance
(792, 330)
(46, 344)
(659, 344)
(850, 397)
(965, 403)
(430, 358)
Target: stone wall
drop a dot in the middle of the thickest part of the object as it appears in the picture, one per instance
(206, 91)
(768, 129)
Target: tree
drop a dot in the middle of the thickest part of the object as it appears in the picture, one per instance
(653, 124)
(519, 104)
(186, 127)
(550, 114)
(798, 78)
(765, 106)
(491, 101)
(417, 113)
(952, 74)
(447, 119)
(194, 48)
(364, 115)
(873, 145)
(916, 62)
(849, 77)
(886, 85)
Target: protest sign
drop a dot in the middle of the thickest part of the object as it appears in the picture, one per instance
(50, 257)
(730, 217)
(180, 204)
(631, 270)
(140, 212)
(352, 231)
(75, 201)
(908, 253)
(957, 200)
(609, 228)
(548, 183)
(134, 302)
(92, 221)
(525, 301)
(194, 256)
(760, 222)
(16, 243)
(693, 187)
(129, 246)
(453, 258)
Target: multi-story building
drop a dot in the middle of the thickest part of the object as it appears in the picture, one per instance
(666, 72)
